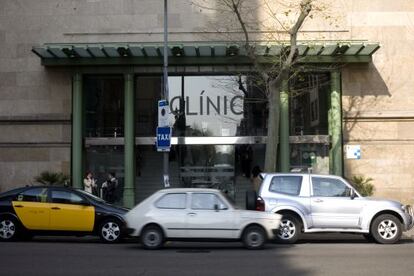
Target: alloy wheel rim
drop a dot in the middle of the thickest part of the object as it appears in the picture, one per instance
(387, 229)
(287, 229)
(111, 231)
(152, 238)
(7, 229)
(254, 239)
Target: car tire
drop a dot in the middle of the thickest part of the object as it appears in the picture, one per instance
(110, 230)
(152, 237)
(386, 229)
(9, 229)
(290, 229)
(254, 237)
(251, 197)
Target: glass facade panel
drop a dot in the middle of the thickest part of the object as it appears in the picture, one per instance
(309, 104)
(147, 94)
(207, 166)
(104, 106)
(217, 106)
(314, 156)
(102, 160)
(210, 106)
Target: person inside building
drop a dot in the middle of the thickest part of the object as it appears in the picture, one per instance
(89, 183)
(108, 189)
(255, 178)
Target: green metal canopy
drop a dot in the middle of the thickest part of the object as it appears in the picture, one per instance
(198, 53)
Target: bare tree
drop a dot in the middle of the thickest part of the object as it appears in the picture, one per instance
(275, 73)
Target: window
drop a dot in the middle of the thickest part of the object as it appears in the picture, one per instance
(33, 195)
(328, 187)
(66, 197)
(289, 185)
(172, 201)
(206, 201)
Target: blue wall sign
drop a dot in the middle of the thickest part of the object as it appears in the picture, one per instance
(163, 138)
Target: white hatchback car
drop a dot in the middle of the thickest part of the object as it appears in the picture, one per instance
(198, 214)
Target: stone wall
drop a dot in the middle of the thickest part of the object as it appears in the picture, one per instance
(378, 102)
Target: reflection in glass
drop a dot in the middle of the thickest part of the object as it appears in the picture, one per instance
(206, 105)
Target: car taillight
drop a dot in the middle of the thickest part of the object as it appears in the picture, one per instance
(260, 204)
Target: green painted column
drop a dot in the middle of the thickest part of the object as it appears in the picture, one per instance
(77, 136)
(129, 138)
(284, 129)
(335, 125)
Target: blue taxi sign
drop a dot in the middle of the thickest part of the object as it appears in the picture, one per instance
(163, 138)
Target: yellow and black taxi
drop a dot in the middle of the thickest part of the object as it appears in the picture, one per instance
(51, 210)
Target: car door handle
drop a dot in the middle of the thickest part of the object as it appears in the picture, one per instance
(55, 208)
(318, 200)
(18, 206)
(192, 214)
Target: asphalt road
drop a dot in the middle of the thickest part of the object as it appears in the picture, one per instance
(315, 255)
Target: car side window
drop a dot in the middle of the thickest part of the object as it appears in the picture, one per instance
(288, 184)
(33, 195)
(329, 187)
(66, 197)
(206, 201)
(172, 201)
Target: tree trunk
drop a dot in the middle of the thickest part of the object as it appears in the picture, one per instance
(272, 129)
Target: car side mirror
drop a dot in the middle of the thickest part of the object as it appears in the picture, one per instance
(216, 207)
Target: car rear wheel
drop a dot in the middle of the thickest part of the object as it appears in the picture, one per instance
(110, 231)
(8, 229)
(152, 237)
(290, 229)
(254, 237)
(386, 229)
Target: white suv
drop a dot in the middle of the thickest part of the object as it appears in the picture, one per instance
(313, 203)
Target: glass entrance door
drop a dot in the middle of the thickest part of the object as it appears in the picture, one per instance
(207, 166)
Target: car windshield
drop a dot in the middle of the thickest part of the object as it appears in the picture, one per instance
(91, 196)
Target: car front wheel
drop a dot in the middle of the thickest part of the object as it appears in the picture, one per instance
(8, 229)
(254, 237)
(386, 229)
(289, 230)
(152, 237)
(110, 231)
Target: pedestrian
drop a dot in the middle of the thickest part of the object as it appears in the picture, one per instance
(89, 183)
(109, 188)
(246, 160)
(255, 178)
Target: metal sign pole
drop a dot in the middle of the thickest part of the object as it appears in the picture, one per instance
(165, 94)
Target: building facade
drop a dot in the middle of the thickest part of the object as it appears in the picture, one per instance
(80, 81)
